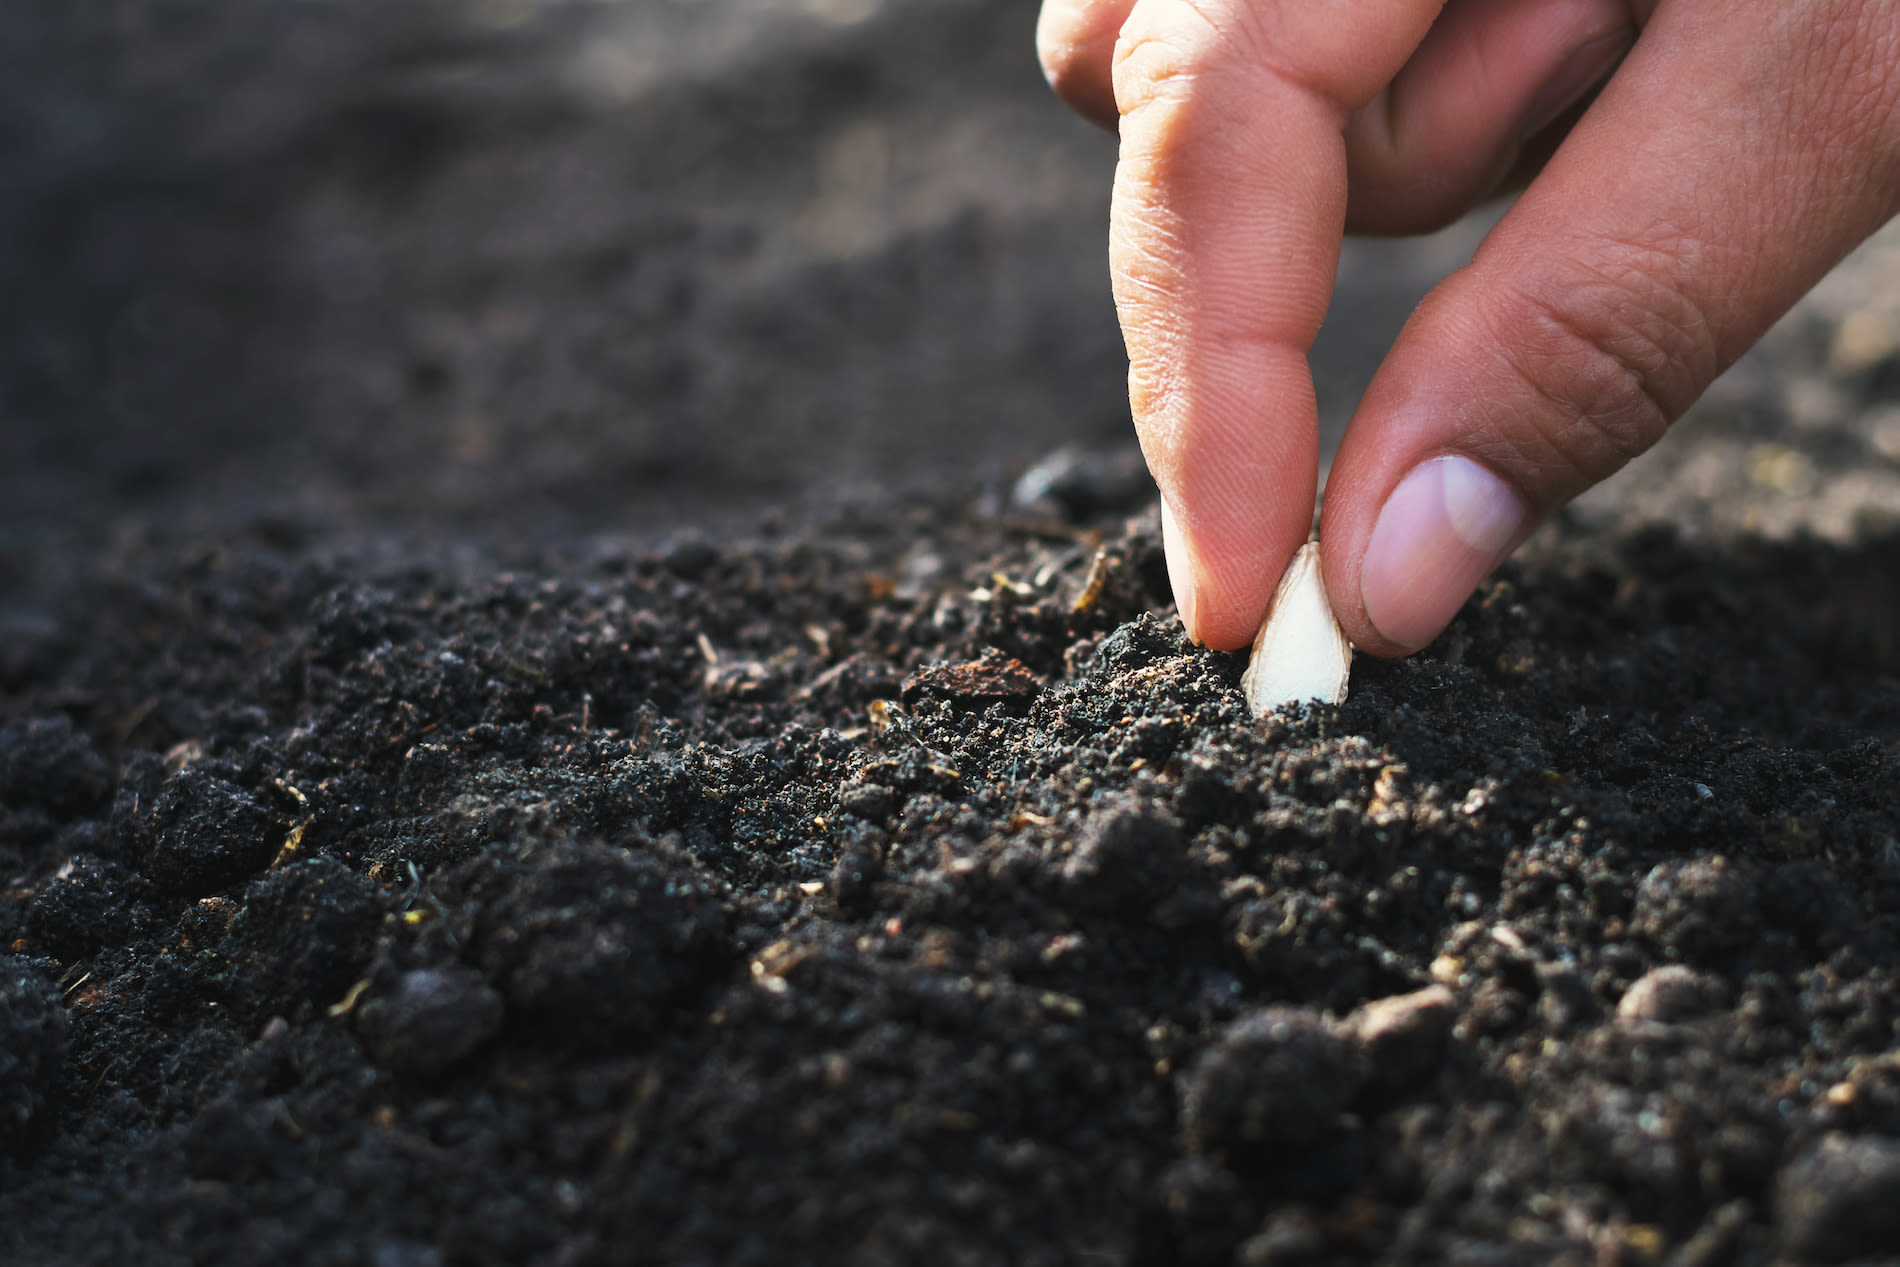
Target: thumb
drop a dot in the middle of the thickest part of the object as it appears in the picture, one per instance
(1742, 150)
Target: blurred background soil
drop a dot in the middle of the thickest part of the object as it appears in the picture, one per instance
(360, 361)
(512, 267)
(515, 267)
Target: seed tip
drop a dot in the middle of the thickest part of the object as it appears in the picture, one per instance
(1301, 653)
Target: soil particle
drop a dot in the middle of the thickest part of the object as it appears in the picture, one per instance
(303, 934)
(860, 865)
(234, 1140)
(1565, 1002)
(1806, 898)
(1291, 1238)
(1267, 1090)
(1401, 1040)
(1666, 995)
(47, 765)
(204, 832)
(86, 905)
(1699, 911)
(430, 1018)
(873, 802)
(1841, 1199)
(994, 679)
(32, 1047)
(1207, 1206)
(1125, 859)
(591, 940)
(1719, 1240)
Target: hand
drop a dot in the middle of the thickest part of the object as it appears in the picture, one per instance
(1736, 152)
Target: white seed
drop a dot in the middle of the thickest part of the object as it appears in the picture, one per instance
(1301, 653)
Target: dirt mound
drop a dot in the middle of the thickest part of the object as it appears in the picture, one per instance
(618, 910)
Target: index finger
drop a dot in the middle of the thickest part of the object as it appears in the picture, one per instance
(1228, 212)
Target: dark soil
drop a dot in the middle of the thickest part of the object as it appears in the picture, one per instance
(421, 867)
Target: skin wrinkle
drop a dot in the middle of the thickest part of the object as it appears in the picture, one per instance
(1548, 449)
(1596, 420)
(1251, 39)
(1244, 46)
(1651, 274)
(1146, 87)
(1883, 100)
(1855, 55)
(1871, 106)
(1617, 404)
(1181, 65)
(1146, 240)
(1152, 273)
(1215, 407)
(1222, 33)
(1146, 231)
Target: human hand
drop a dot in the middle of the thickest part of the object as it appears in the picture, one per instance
(1739, 149)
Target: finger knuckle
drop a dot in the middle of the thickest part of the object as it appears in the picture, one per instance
(1618, 348)
(1165, 46)
(1148, 69)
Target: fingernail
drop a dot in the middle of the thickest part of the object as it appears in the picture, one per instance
(1447, 524)
(1580, 70)
(1180, 569)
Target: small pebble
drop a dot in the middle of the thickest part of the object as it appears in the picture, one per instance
(1667, 995)
(1291, 1236)
(433, 1018)
(1401, 1039)
(1076, 483)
